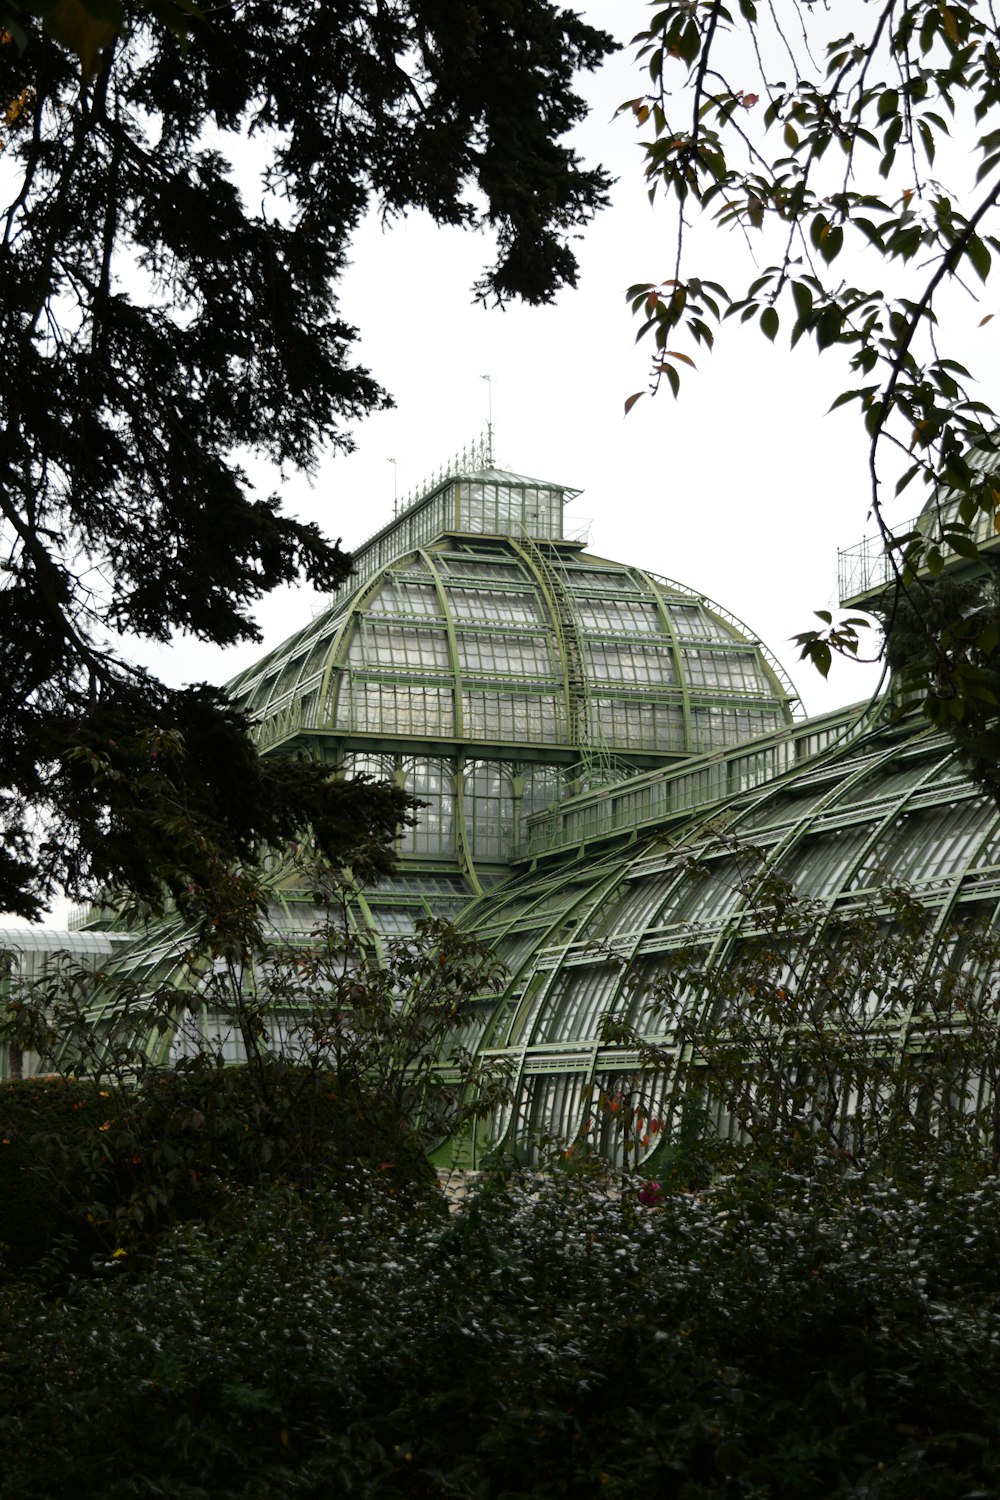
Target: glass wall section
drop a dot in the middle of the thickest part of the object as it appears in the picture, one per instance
(821, 865)
(692, 622)
(433, 782)
(732, 671)
(509, 509)
(637, 724)
(397, 647)
(484, 653)
(575, 1003)
(551, 1107)
(378, 767)
(313, 665)
(626, 662)
(407, 598)
(617, 616)
(637, 908)
(883, 782)
(479, 606)
(540, 786)
(800, 801)
(479, 567)
(629, 1109)
(584, 580)
(706, 894)
(488, 795)
(512, 718)
(391, 708)
(713, 728)
(929, 846)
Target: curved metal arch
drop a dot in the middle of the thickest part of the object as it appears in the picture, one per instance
(788, 688)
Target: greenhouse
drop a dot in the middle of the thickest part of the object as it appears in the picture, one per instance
(596, 748)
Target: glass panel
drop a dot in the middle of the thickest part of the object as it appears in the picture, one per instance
(714, 728)
(641, 901)
(625, 1106)
(935, 844)
(551, 1105)
(395, 708)
(576, 1002)
(489, 809)
(692, 622)
(380, 644)
(627, 661)
(407, 599)
(476, 605)
(543, 785)
(582, 580)
(704, 894)
(633, 725)
(489, 654)
(431, 781)
(512, 716)
(884, 782)
(627, 616)
(733, 671)
(481, 567)
(820, 864)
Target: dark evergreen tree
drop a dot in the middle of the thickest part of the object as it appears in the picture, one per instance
(153, 327)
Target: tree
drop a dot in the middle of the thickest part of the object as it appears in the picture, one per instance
(821, 147)
(155, 329)
(135, 1116)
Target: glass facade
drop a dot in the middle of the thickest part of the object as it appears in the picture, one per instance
(577, 732)
(861, 812)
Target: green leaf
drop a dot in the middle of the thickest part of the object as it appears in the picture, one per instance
(979, 255)
(803, 299)
(963, 545)
(988, 639)
(831, 242)
(769, 322)
(829, 326)
(821, 657)
(888, 104)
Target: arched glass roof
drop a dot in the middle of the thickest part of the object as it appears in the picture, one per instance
(523, 647)
(887, 806)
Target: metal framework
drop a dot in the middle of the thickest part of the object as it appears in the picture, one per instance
(576, 728)
(583, 937)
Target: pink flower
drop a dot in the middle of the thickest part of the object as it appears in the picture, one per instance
(651, 1194)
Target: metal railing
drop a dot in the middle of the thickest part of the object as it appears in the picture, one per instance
(621, 811)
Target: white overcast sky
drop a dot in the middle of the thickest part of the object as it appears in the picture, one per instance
(742, 489)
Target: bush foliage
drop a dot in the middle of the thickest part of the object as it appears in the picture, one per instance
(546, 1339)
(274, 1303)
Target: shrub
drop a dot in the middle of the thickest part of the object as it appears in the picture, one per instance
(545, 1340)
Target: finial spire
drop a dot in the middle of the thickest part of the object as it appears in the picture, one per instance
(489, 421)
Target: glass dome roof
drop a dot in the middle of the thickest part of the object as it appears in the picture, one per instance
(512, 643)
